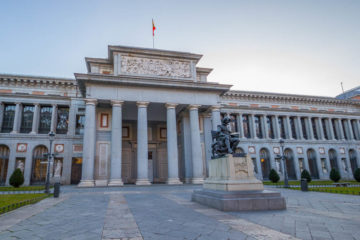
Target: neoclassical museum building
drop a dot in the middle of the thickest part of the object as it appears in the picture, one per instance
(144, 116)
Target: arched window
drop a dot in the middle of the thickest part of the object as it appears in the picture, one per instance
(39, 166)
(4, 160)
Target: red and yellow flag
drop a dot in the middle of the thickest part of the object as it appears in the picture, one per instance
(153, 27)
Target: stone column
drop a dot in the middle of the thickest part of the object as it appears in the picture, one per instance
(54, 118)
(297, 122)
(351, 132)
(172, 147)
(309, 128)
(196, 152)
(72, 119)
(320, 129)
(252, 126)
(17, 118)
(264, 127)
(287, 127)
(142, 145)
(36, 119)
(276, 127)
(89, 144)
(240, 124)
(215, 117)
(341, 129)
(356, 129)
(1, 114)
(116, 144)
(330, 129)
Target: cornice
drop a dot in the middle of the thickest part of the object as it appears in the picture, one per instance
(280, 97)
(36, 80)
(148, 82)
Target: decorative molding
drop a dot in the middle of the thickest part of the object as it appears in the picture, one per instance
(59, 148)
(21, 147)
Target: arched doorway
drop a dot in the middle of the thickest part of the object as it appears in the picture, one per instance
(311, 155)
(265, 162)
(333, 159)
(39, 165)
(353, 160)
(290, 168)
(4, 161)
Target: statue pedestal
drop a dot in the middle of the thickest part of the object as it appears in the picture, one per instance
(232, 186)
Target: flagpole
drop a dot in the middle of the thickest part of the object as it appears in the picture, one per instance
(153, 41)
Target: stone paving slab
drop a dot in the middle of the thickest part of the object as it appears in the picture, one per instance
(166, 212)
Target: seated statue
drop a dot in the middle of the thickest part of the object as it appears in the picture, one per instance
(225, 142)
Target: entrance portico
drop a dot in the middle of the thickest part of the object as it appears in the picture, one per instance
(139, 99)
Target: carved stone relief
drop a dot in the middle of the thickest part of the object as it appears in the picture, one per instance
(157, 67)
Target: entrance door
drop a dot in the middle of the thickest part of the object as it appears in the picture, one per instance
(76, 168)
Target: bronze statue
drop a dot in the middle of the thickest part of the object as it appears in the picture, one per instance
(225, 142)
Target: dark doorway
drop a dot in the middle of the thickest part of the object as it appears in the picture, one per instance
(265, 162)
(353, 160)
(290, 168)
(39, 166)
(76, 168)
(312, 164)
(333, 159)
(4, 160)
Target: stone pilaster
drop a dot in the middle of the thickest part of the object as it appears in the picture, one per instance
(356, 125)
(87, 178)
(1, 114)
(330, 129)
(276, 127)
(299, 133)
(72, 119)
(341, 129)
(264, 128)
(252, 126)
(36, 119)
(53, 118)
(17, 118)
(142, 145)
(287, 127)
(215, 117)
(172, 147)
(196, 152)
(320, 129)
(240, 124)
(116, 144)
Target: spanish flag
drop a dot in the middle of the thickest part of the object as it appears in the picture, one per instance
(153, 27)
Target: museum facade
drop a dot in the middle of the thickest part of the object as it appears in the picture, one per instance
(145, 116)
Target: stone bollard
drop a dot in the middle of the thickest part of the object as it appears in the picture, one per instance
(56, 190)
(304, 185)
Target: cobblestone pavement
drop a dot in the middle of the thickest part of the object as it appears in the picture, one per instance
(166, 212)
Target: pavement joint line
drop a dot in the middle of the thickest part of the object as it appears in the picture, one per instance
(16, 216)
(249, 228)
(119, 221)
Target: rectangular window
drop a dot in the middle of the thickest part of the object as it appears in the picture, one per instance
(8, 118)
(282, 127)
(254, 164)
(27, 119)
(80, 124)
(303, 127)
(246, 126)
(270, 127)
(293, 127)
(45, 119)
(314, 128)
(336, 135)
(323, 123)
(233, 123)
(257, 120)
(62, 120)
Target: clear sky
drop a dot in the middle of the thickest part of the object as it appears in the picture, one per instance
(300, 47)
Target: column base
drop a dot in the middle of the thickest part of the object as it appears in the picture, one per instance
(143, 182)
(101, 183)
(187, 180)
(115, 183)
(32, 133)
(86, 183)
(197, 180)
(14, 132)
(172, 181)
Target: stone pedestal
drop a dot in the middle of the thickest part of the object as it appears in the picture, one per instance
(232, 186)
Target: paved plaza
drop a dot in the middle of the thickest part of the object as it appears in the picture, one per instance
(166, 212)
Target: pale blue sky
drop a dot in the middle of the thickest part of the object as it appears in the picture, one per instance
(300, 47)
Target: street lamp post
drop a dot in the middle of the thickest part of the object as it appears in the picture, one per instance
(50, 155)
(286, 179)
